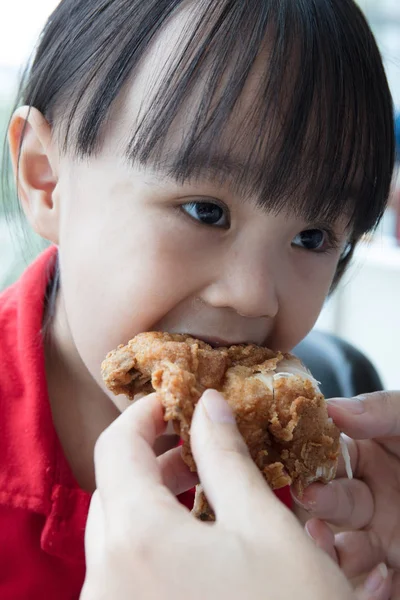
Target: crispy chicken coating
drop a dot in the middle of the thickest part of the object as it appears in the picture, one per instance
(279, 409)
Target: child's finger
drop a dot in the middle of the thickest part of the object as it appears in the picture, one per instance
(346, 503)
(377, 586)
(176, 475)
(124, 458)
(374, 415)
(231, 481)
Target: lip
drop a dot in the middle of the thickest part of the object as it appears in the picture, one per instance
(216, 342)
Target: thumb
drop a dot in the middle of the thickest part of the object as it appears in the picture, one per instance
(231, 481)
(374, 415)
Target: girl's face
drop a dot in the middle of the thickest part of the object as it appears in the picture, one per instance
(140, 252)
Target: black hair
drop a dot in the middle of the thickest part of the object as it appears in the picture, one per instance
(319, 135)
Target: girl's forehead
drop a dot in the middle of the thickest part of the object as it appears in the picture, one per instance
(228, 157)
(198, 86)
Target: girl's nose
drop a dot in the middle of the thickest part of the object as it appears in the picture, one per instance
(247, 286)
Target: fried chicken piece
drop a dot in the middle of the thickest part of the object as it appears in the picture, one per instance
(279, 409)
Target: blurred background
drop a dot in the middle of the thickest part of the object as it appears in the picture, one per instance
(364, 311)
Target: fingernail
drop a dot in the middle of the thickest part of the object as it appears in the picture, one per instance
(216, 407)
(376, 579)
(299, 502)
(353, 405)
(312, 538)
(308, 532)
(304, 501)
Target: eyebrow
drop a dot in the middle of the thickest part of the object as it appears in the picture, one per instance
(244, 178)
(216, 167)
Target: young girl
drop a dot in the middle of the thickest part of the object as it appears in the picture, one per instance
(202, 167)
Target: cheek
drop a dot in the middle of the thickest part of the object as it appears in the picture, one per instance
(301, 301)
(119, 276)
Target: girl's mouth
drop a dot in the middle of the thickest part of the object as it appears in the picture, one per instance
(216, 342)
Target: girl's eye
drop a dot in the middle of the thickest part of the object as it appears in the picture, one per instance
(316, 240)
(208, 213)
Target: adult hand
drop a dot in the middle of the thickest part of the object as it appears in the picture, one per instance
(141, 543)
(368, 506)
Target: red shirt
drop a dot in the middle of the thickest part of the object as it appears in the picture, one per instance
(42, 509)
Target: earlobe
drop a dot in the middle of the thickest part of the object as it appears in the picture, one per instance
(35, 164)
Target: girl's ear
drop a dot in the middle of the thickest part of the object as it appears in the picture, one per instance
(35, 165)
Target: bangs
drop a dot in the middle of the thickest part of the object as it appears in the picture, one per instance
(285, 100)
(302, 138)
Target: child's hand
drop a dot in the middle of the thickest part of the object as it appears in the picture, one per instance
(369, 505)
(141, 543)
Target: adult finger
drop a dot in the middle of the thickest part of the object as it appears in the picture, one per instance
(176, 475)
(395, 586)
(358, 552)
(125, 461)
(232, 483)
(323, 537)
(346, 503)
(370, 416)
(377, 586)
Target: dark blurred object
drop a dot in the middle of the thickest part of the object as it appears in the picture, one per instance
(342, 370)
(394, 201)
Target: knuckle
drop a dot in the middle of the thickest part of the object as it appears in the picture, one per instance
(348, 500)
(141, 543)
(383, 399)
(385, 406)
(389, 405)
(135, 550)
(392, 407)
(375, 542)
